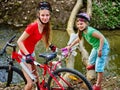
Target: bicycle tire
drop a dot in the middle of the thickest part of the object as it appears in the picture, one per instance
(76, 82)
(16, 78)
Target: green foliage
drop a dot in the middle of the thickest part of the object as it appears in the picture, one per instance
(106, 14)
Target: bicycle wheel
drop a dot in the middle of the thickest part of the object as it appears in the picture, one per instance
(16, 77)
(69, 79)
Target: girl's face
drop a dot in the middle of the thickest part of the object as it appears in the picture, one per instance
(81, 24)
(44, 15)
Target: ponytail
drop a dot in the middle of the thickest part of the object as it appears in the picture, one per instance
(47, 34)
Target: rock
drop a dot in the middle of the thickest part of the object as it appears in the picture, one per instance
(19, 13)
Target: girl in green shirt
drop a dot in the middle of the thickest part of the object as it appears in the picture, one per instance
(99, 52)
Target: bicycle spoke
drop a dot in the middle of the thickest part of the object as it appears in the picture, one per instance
(69, 80)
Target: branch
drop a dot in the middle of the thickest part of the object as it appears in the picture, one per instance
(89, 7)
(74, 12)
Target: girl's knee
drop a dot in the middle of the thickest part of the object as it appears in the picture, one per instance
(29, 84)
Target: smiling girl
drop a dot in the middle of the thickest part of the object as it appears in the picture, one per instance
(99, 52)
(36, 31)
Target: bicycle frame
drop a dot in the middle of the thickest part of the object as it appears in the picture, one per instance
(46, 68)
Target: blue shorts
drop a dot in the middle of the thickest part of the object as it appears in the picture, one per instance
(23, 56)
(99, 62)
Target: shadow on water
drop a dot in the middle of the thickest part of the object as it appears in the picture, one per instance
(60, 39)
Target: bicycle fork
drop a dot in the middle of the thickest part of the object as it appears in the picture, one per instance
(10, 74)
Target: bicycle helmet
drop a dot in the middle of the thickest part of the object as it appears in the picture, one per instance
(84, 16)
(44, 5)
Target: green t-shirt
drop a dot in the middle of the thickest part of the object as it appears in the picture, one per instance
(95, 42)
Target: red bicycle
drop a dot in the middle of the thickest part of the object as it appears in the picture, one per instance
(53, 76)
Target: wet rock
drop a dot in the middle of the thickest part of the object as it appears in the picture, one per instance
(22, 12)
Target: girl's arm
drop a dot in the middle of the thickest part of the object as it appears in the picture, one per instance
(20, 42)
(101, 38)
(73, 43)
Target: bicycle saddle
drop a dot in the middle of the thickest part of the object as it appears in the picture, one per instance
(48, 56)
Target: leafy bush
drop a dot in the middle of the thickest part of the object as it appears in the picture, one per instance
(106, 14)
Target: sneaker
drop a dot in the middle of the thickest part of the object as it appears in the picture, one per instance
(90, 67)
(96, 87)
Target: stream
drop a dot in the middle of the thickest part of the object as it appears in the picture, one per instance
(60, 39)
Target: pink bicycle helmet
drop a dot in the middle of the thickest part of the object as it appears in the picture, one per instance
(84, 16)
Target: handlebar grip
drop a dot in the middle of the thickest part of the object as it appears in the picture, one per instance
(65, 51)
(7, 44)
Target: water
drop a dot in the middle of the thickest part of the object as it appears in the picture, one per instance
(113, 66)
(60, 39)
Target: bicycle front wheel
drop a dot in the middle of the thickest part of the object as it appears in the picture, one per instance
(15, 78)
(68, 79)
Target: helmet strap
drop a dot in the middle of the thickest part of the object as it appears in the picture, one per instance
(41, 21)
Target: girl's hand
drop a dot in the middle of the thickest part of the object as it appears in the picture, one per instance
(52, 47)
(68, 48)
(99, 53)
(29, 59)
(65, 51)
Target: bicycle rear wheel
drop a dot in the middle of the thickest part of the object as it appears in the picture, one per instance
(69, 79)
(16, 78)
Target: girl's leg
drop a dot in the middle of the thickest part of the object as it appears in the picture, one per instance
(29, 84)
(100, 65)
(97, 86)
(92, 59)
(31, 67)
(99, 78)
(34, 68)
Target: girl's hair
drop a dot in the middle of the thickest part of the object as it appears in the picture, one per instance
(47, 34)
(47, 29)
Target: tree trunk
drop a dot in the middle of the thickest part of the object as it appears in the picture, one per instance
(72, 17)
(84, 53)
(89, 7)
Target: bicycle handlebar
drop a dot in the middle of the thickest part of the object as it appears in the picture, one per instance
(3, 50)
(65, 52)
(12, 39)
